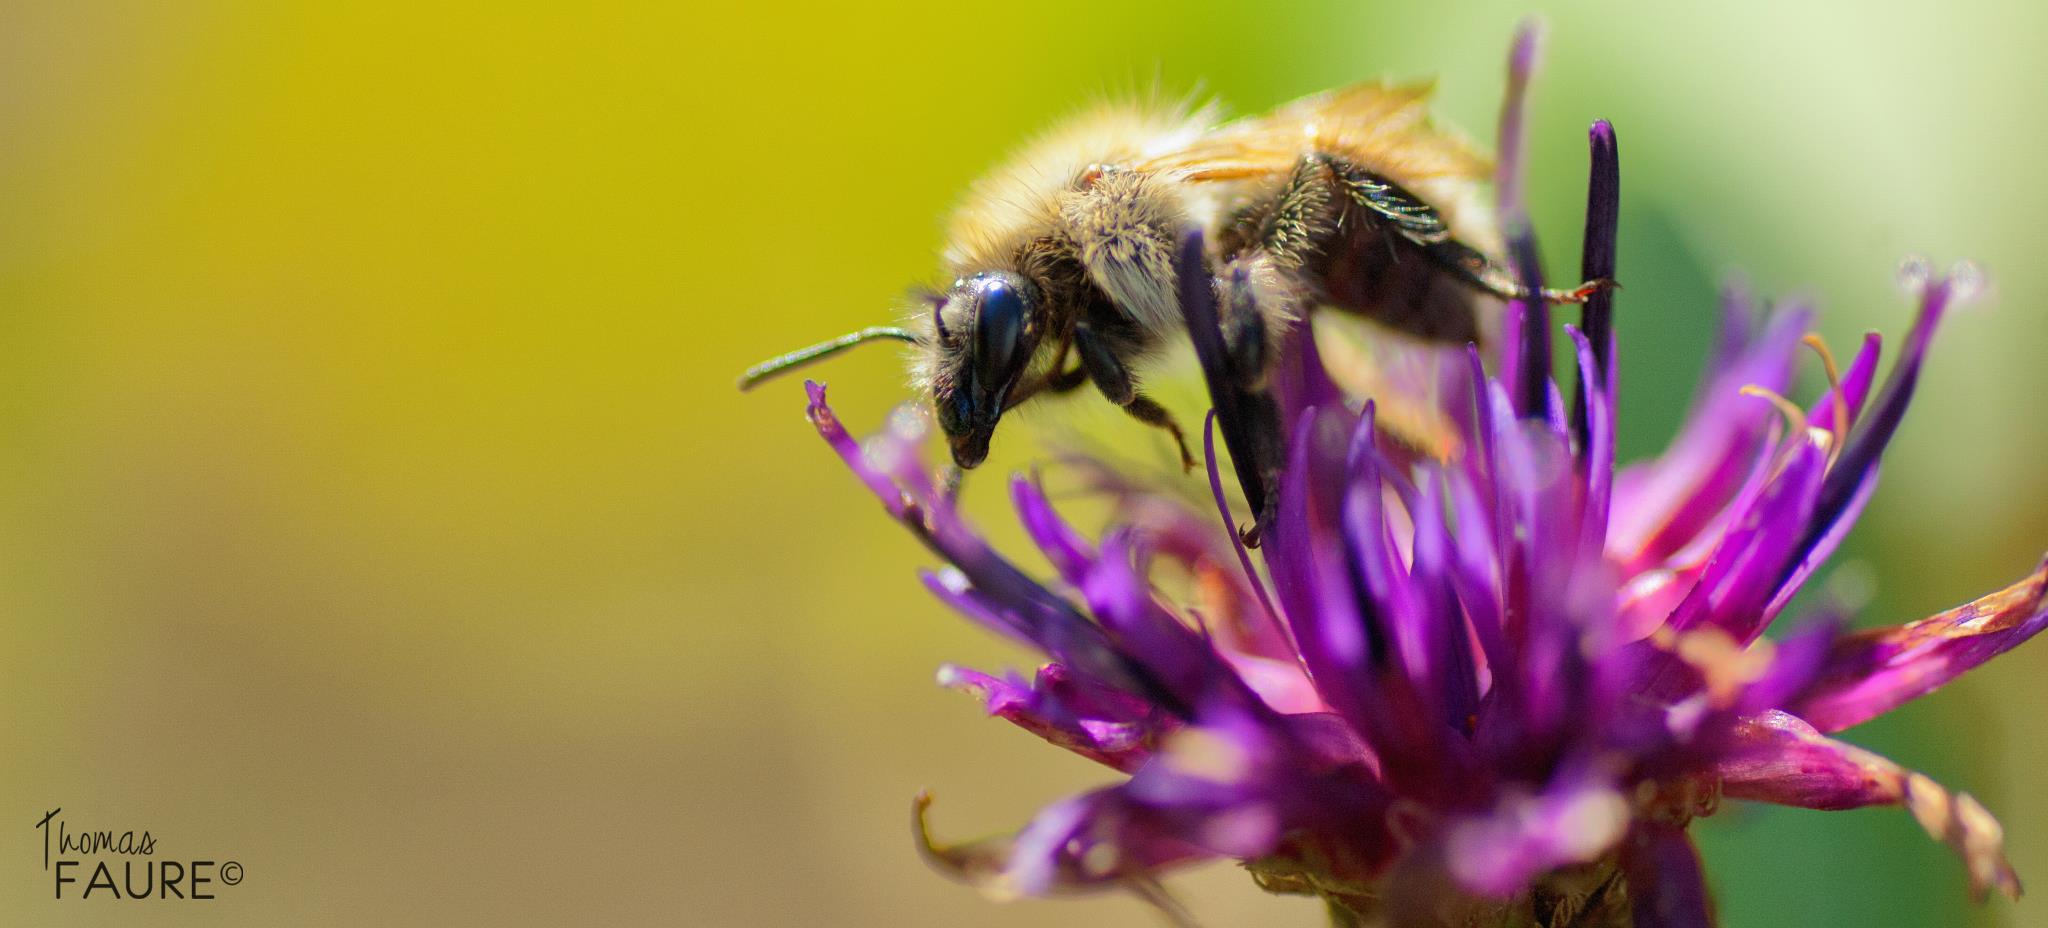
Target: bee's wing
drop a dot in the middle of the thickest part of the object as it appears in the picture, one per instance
(1381, 127)
(1403, 377)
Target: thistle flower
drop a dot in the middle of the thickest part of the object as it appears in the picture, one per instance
(1492, 685)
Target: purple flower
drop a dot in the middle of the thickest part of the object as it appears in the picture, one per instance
(1497, 683)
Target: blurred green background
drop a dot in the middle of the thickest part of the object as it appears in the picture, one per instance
(376, 508)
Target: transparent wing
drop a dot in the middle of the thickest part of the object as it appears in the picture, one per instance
(1381, 127)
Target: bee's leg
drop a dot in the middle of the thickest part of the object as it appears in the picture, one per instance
(1244, 326)
(1100, 363)
(1147, 410)
(1061, 379)
(1058, 381)
(1474, 268)
(1066, 381)
(1114, 380)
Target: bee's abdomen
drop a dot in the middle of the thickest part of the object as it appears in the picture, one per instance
(1366, 267)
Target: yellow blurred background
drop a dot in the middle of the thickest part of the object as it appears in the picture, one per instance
(376, 508)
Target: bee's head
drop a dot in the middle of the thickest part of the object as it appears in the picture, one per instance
(987, 329)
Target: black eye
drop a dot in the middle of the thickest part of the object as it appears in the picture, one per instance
(999, 327)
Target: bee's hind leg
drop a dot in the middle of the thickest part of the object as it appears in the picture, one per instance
(1476, 269)
(1404, 215)
(1114, 380)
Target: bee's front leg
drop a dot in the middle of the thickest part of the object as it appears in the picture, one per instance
(1104, 369)
(1113, 378)
(1059, 380)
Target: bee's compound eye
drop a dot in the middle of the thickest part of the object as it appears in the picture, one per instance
(999, 327)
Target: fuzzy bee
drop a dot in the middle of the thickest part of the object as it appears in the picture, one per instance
(1062, 261)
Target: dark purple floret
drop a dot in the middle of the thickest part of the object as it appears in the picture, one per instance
(1603, 225)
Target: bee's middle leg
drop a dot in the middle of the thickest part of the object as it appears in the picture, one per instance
(1147, 410)
(1113, 378)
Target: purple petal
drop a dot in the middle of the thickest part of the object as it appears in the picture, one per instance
(1417, 699)
(1282, 685)
(1855, 387)
(1303, 552)
(1299, 383)
(1233, 605)
(952, 587)
(1508, 167)
(1477, 577)
(1244, 558)
(1391, 617)
(834, 432)
(1870, 673)
(1069, 553)
(1102, 724)
(1738, 329)
(1820, 549)
(1796, 662)
(1746, 569)
(1740, 576)
(1557, 597)
(1595, 430)
(1442, 646)
(1184, 663)
(1200, 798)
(1534, 391)
(1666, 883)
(1781, 759)
(1828, 528)
(1120, 599)
(1596, 262)
(1525, 342)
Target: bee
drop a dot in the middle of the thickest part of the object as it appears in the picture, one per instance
(1062, 261)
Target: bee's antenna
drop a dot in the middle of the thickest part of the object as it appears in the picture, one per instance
(802, 356)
